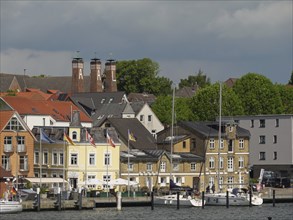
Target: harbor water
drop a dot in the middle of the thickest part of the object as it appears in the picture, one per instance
(281, 211)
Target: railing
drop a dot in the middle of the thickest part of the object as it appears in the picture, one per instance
(8, 148)
(21, 148)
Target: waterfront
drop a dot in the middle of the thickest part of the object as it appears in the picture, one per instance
(282, 211)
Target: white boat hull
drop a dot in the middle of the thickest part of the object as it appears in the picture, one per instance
(220, 200)
(171, 200)
(10, 206)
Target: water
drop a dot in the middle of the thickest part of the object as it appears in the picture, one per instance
(282, 211)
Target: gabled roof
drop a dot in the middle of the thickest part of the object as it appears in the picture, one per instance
(137, 106)
(60, 111)
(34, 94)
(141, 97)
(145, 140)
(91, 101)
(141, 155)
(230, 82)
(211, 129)
(186, 92)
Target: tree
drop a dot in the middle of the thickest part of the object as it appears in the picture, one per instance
(200, 80)
(205, 103)
(163, 109)
(141, 76)
(286, 93)
(258, 95)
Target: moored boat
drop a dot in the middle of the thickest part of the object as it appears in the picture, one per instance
(172, 200)
(7, 206)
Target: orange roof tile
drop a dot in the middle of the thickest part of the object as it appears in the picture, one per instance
(59, 110)
(5, 116)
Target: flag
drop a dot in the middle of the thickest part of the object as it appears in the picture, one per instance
(131, 136)
(68, 139)
(44, 137)
(90, 138)
(110, 140)
(13, 191)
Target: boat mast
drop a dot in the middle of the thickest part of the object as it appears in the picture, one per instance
(219, 135)
(172, 134)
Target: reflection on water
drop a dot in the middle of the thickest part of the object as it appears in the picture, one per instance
(279, 212)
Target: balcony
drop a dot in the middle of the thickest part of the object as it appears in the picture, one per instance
(8, 148)
(21, 148)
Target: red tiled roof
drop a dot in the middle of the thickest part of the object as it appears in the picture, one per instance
(59, 110)
(5, 116)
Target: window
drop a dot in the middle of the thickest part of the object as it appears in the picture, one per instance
(230, 128)
(61, 158)
(275, 155)
(262, 123)
(184, 144)
(20, 144)
(193, 143)
(262, 139)
(106, 159)
(193, 166)
(175, 166)
(275, 140)
(149, 167)
(7, 141)
(212, 163)
(92, 159)
(163, 166)
(37, 157)
(45, 157)
(130, 166)
(230, 164)
(241, 180)
(6, 162)
(221, 182)
(14, 125)
(102, 101)
(221, 162)
(211, 181)
(251, 123)
(230, 145)
(241, 143)
(277, 122)
(55, 158)
(23, 163)
(106, 178)
(230, 182)
(141, 117)
(212, 143)
(241, 162)
(149, 118)
(262, 155)
(73, 159)
(222, 144)
(74, 135)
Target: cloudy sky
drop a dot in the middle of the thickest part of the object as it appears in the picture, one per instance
(222, 38)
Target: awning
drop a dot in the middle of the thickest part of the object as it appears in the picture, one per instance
(46, 180)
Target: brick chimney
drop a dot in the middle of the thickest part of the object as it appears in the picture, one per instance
(96, 84)
(77, 85)
(110, 81)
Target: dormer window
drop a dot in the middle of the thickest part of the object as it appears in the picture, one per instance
(102, 101)
(230, 128)
(111, 100)
(74, 135)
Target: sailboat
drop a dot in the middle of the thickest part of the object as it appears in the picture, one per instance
(238, 196)
(184, 192)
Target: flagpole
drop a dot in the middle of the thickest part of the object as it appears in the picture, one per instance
(63, 159)
(85, 166)
(41, 157)
(107, 167)
(128, 188)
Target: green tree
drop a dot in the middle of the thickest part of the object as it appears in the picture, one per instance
(141, 76)
(200, 79)
(205, 104)
(163, 109)
(286, 93)
(258, 95)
